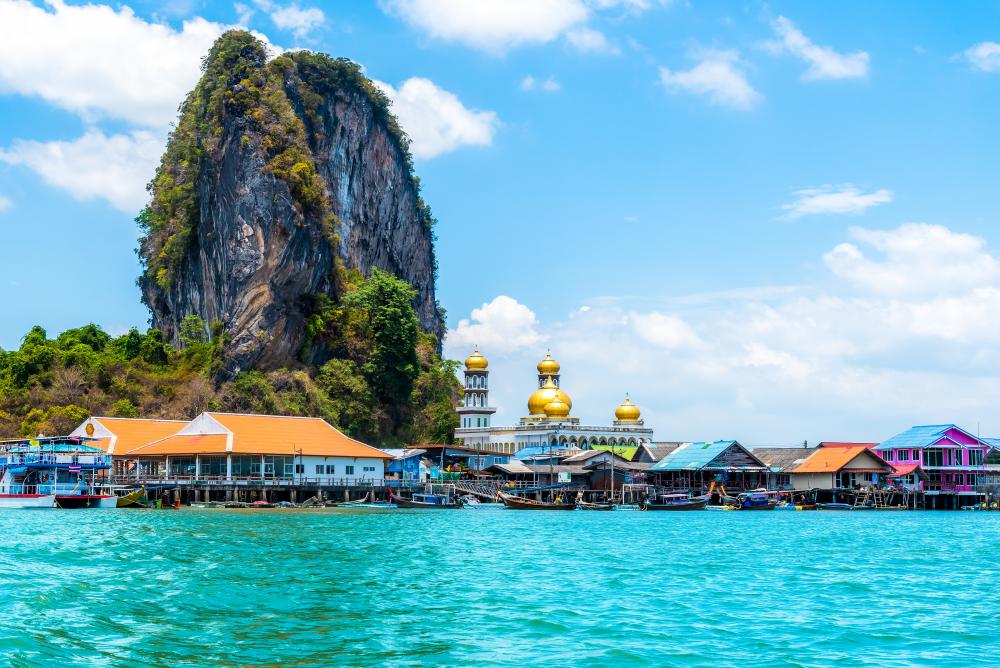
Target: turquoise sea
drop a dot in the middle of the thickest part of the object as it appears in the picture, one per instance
(494, 587)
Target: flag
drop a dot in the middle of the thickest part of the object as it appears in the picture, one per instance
(74, 469)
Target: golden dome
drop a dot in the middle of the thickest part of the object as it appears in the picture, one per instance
(556, 409)
(541, 397)
(548, 366)
(627, 412)
(545, 395)
(476, 362)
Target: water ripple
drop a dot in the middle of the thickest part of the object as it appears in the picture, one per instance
(492, 587)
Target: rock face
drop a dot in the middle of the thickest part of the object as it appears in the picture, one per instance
(278, 175)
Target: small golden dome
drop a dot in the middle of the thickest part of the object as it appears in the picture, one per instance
(548, 366)
(542, 397)
(556, 409)
(627, 412)
(476, 362)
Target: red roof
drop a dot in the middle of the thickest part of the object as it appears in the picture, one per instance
(905, 469)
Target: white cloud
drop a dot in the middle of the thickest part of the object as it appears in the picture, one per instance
(115, 168)
(843, 359)
(502, 325)
(919, 259)
(719, 77)
(844, 200)
(984, 56)
(436, 120)
(549, 85)
(5, 204)
(491, 26)
(663, 330)
(96, 61)
(499, 26)
(824, 62)
(300, 22)
(589, 40)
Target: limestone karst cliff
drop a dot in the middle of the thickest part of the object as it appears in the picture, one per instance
(280, 175)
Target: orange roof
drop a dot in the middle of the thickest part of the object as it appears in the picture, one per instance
(280, 435)
(186, 444)
(839, 444)
(831, 460)
(133, 432)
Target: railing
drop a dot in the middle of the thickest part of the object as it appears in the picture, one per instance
(266, 481)
(55, 460)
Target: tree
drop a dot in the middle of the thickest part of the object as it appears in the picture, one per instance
(153, 348)
(192, 331)
(392, 364)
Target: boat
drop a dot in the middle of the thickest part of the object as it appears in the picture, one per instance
(60, 472)
(427, 501)
(758, 499)
(584, 505)
(347, 504)
(134, 499)
(677, 502)
(514, 502)
(834, 506)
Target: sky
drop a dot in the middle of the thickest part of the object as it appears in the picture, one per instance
(769, 221)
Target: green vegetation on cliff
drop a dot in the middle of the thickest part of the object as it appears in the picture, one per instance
(239, 82)
(387, 386)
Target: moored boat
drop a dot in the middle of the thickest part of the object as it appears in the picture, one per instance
(676, 502)
(54, 473)
(426, 501)
(584, 505)
(758, 499)
(834, 506)
(514, 502)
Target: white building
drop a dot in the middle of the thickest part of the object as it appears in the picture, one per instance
(548, 422)
(229, 446)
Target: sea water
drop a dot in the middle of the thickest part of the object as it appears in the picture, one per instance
(498, 587)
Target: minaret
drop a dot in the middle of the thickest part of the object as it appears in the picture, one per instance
(475, 411)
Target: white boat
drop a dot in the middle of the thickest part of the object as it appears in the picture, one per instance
(54, 473)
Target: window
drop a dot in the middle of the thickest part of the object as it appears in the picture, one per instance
(319, 469)
(368, 469)
(975, 457)
(348, 470)
(784, 480)
(331, 469)
(300, 469)
(933, 457)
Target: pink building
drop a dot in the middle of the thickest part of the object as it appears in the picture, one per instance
(953, 460)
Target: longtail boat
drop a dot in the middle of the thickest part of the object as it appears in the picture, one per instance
(426, 501)
(520, 503)
(134, 499)
(677, 502)
(584, 505)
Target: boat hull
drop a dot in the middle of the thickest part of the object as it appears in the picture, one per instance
(595, 506)
(27, 500)
(694, 504)
(408, 503)
(517, 503)
(834, 506)
(72, 501)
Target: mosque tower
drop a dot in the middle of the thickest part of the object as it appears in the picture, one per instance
(475, 411)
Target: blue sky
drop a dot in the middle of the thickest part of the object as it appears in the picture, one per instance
(768, 221)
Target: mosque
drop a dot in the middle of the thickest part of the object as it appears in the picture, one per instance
(548, 422)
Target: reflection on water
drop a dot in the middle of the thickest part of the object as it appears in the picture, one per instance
(492, 587)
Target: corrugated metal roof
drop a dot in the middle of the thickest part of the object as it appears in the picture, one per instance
(692, 456)
(783, 460)
(917, 437)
